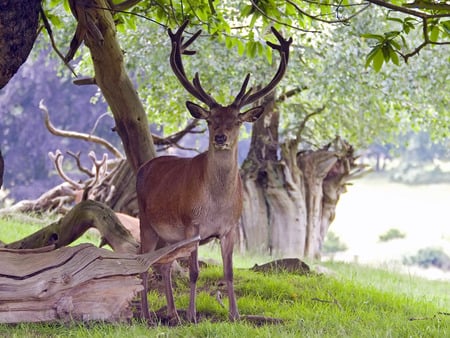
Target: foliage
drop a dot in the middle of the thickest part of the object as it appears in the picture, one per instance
(429, 257)
(390, 235)
(327, 65)
(328, 61)
(333, 244)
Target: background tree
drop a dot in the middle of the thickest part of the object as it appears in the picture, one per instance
(97, 28)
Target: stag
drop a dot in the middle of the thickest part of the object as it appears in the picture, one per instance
(181, 198)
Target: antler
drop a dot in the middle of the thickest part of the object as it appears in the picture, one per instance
(57, 159)
(96, 177)
(176, 63)
(246, 97)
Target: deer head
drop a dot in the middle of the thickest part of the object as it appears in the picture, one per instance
(223, 121)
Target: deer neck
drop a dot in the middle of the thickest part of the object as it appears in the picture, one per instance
(222, 169)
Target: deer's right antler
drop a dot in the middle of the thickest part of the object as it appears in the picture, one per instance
(244, 97)
(176, 63)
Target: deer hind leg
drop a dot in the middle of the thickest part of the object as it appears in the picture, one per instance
(226, 244)
(193, 276)
(172, 314)
(149, 240)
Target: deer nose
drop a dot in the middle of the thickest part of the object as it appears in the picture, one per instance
(220, 139)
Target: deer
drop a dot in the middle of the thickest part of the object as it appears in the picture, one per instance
(180, 198)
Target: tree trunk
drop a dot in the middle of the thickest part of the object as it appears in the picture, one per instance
(289, 203)
(18, 31)
(114, 82)
(274, 209)
(315, 167)
(118, 190)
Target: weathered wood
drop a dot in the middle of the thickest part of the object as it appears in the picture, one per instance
(75, 283)
(81, 217)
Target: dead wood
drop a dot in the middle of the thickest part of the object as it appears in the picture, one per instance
(85, 215)
(75, 283)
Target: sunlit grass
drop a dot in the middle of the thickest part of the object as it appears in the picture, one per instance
(350, 301)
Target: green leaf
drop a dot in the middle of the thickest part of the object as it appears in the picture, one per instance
(446, 26)
(251, 49)
(434, 34)
(372, 54)
(247, 10)
(391, 34)
(240, 47)
(394, 57)
(386, 52)
(269, 55)
(373, 36)
(202, 15)
(395, 44)
(378, 60)
(55, 20)
(395, 20)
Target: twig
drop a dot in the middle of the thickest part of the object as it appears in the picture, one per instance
(48, 28)
(334, 301)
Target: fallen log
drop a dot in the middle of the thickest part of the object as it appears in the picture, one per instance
(80, 283)
(84, 215)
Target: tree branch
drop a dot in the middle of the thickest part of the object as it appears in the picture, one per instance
(73, 134)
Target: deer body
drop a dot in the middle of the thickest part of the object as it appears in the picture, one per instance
(181, 198)
(200, 190)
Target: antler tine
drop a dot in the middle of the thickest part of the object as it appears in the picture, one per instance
(283, 49)
(243, 94)
(100, 169)
(176, 62)
(57, 159)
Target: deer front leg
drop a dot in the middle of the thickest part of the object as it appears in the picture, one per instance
(193, 277)
(226, 245)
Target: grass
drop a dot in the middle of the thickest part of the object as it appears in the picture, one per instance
(352, 301)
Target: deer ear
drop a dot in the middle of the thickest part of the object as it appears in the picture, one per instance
(252, 114)
(197, 111)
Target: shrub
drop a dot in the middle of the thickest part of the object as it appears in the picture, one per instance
(429, 257)
(333, 244)
(391, 234)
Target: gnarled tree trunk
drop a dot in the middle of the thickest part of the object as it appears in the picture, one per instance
(274, 208)
(289, 202)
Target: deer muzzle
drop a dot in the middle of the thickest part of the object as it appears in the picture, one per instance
(220, 142)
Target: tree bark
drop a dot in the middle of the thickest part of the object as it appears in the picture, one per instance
(315, 167)
(274, 210)
(114, 82)
(290, 202)
(83, 216)
(18, 31)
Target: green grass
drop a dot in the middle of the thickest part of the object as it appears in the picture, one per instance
(354, 301)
